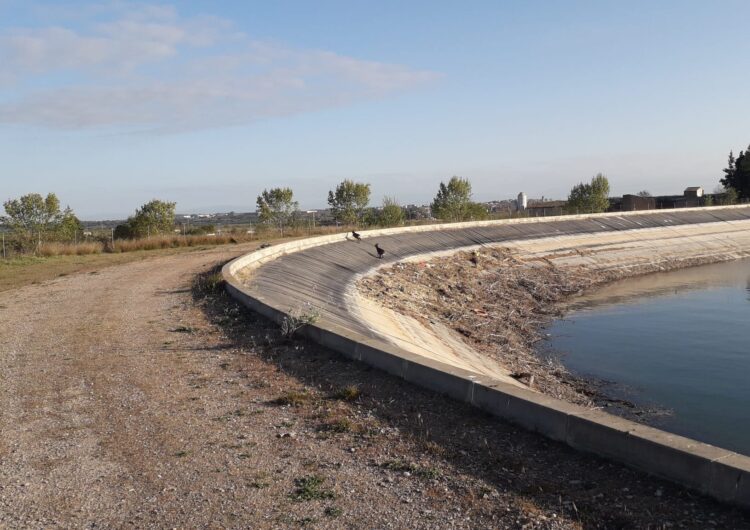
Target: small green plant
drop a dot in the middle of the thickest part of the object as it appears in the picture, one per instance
(310, 488)
(398, 465)
(297, 319)
(428, 472)
(212, 282)
(348, 393)
(333, 511)
(340, 425)
(180, 454)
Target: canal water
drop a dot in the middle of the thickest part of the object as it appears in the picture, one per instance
(678, 340)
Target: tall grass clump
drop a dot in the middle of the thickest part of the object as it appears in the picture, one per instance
(54, 248)
(160, 242)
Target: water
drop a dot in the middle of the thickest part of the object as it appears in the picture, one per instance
(679, 339)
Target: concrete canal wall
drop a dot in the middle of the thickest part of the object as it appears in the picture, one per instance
(320, 272)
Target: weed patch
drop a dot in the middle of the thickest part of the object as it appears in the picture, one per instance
(340, 425)
(292, 398)
(297, 319)
(310, 488)
(211, 282)
(333, 511)
(347, 393)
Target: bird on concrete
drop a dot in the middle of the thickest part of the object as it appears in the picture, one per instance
(380, 251)
(356, 236)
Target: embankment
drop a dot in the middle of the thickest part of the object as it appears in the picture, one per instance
(321, 272)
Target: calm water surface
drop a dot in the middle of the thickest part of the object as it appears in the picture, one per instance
(680, 340)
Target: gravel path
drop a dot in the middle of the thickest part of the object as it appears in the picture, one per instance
(127, 403)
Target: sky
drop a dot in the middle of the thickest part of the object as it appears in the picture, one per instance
(207, 103)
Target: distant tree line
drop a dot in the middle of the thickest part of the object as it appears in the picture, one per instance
(349, 204)
(34, 219)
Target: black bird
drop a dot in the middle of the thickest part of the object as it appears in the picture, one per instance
(356, 236)
(380, 251)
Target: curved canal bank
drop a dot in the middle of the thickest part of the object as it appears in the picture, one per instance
(320, 272)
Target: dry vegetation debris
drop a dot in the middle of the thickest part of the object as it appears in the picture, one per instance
(498, 303)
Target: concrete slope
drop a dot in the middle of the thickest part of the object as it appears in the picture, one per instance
(321, 276)
(320, 273)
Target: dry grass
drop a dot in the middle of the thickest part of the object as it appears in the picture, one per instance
(47, 250)
(348, 393)
(25, 270)
(163, 242)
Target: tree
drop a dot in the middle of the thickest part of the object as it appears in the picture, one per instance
(122, 231)
(277, 207)
(33, 217)
(453, 202)
(348, 201)
(477, 212)
(590, 198)
(154, 217)
(724, 196)
(737, 174)
(644, 193)
(69, 225)
(392, 214)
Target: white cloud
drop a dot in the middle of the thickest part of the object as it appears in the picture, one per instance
(149, 68)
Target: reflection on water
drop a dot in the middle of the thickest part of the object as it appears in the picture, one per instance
(680, 339)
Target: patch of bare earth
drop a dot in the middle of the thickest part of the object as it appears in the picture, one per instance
(139, 398)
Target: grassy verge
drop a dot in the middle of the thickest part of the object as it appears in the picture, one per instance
(26, 270)
(21, 271)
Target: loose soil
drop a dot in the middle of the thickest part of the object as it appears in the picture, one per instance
(138, 397)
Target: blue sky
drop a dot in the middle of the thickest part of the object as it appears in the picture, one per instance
(206, 103)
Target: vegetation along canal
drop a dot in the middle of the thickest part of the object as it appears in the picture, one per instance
(679, 340)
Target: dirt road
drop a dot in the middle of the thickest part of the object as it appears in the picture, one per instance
(124, 403)
(95, 393)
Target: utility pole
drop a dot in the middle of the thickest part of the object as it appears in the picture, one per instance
(113, 239)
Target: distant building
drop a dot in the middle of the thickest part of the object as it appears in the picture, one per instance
(546, 208)
(635, 202)
(694, 191)
(522, 201)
